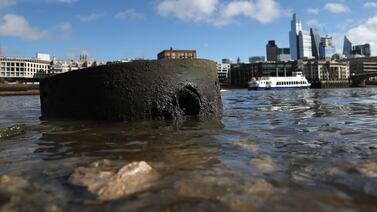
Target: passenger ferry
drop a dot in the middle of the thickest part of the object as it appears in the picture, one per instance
(297, 81)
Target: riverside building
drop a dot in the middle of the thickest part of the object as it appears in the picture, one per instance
(241, 74)
(326, 70)
(223, 72)
(363, 66)
(177, 54)
(25, 68)
(62, 66)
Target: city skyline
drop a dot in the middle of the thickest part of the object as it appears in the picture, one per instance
(217, 29)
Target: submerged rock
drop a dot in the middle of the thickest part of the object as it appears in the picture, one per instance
(109, 184)
(262, 189)
(248, 145)
(373, 147)
(369, 170)
(12, 183)
(265, 164)
(12, 131)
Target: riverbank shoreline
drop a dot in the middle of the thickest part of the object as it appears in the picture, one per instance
(18, 89)
(20, 93)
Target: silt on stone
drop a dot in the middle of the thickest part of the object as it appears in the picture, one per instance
(141, 90)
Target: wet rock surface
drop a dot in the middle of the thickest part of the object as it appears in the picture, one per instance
(142, 90)
(109, 183)
(12, 131)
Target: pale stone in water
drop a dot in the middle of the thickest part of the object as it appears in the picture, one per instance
(109, 184)
(12, 183)
(264, 164)
(369, 170)
(248, 145)
(261, 189)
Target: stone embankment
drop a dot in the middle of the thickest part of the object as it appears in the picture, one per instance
(141, 90)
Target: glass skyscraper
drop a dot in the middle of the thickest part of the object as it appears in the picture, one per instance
(300, 42)
(327, 50)
(347, 46)
(296, 27)
(314, 33)
(363, 50)
(305, 45)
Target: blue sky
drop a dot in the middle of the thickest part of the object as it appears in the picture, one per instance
(118, 29)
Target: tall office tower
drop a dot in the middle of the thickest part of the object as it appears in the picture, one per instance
(256, 59)
(363, 50)
(227, 60)
(296, 27)
(272, 51)
(327, 50)
(284, 54)
(347, 46)
(305, 45)
(314, 33)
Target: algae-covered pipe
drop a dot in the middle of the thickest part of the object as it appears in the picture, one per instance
(140, 90)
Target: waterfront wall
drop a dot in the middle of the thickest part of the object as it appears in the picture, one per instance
(140, 90)
(331, 84)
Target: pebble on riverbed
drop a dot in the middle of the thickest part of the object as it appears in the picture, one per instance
(373, 147)
(12, 183)
(12, 131)
(109, 184)
(265, 164)
(369, 169)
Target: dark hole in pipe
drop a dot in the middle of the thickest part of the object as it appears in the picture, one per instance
(189, 101)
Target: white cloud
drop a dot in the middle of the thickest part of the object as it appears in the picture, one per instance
(7, 3)
(63, 1)
(314, 23)
(63, 31)
(188, 10)
(369, 4)
(219, 14)
(237, 8)
(336, 8)
(129, 14)
(65, 27)
(313, 11)
(365, 33)
(17, 26)
(94, 15)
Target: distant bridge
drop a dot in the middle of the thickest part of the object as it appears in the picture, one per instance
(360, 78)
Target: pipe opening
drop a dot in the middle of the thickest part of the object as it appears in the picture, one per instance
(189, 101)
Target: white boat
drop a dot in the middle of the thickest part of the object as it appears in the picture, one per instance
(297, 81)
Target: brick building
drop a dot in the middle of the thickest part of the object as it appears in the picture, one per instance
(177, 54)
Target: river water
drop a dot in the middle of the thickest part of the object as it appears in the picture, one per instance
(311, 150)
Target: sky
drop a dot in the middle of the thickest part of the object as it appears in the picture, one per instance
(127, 29)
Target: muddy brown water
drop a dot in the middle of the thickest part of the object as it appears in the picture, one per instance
(307, 150)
